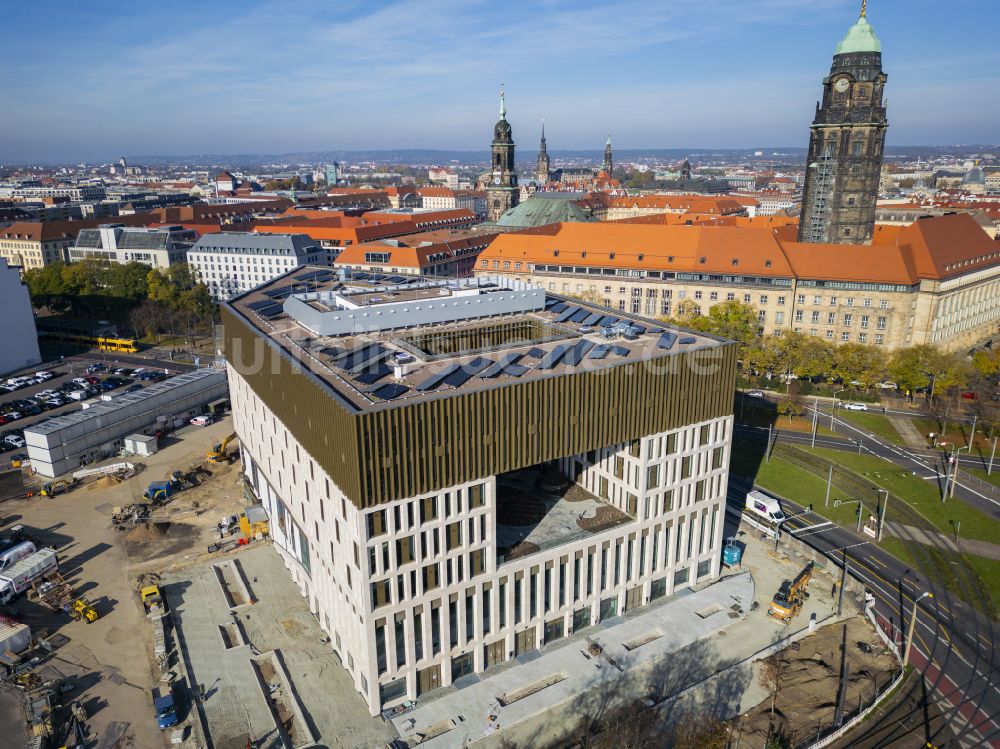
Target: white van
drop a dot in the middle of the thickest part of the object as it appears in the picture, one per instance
(764, 507)
(14, 551)
(77, 395)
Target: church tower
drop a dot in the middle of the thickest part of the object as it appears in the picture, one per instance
(846, 143)
(609, 163)
(542, 165)
(502, 192)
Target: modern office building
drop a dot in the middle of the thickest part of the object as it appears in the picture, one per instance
(459, 472)
(230, 263)
(158, 248)
(20, 341)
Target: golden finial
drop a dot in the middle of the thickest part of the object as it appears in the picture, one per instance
(864, 7)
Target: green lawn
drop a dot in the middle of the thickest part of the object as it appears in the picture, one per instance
(923, 495)
(989, 572)
(980, 473)
(874, 422)
(792, 482)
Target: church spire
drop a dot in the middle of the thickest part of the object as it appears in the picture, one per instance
(864, 8)
(608, 165)
(503, 106)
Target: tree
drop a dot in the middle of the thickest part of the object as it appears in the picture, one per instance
(591, 295)
(910, 367)
(859, 363)
(730, 319)
(771, 676)
(699, 731)
(793, 405)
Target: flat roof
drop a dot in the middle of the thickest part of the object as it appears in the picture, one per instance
(373, 369)
(124, 400)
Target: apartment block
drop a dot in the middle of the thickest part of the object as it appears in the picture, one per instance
(459, 472)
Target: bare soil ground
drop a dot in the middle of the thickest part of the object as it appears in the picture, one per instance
(810, 677)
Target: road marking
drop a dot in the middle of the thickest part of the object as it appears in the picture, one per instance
(816, 525)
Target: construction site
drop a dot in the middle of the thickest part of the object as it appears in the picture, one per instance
(165, 559)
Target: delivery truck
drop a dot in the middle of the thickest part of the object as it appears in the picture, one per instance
(19, 576)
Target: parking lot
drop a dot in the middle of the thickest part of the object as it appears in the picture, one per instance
(64, 374)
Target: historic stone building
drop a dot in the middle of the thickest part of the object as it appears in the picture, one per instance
(846, 143)
(502, 191)
(542, 165)
(609, 162)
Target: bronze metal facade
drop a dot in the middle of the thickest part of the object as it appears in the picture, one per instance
(393, 451)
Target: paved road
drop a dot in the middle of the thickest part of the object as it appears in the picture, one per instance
(953, 644)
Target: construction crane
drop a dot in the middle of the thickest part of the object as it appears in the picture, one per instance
(787, 602)
(218, 453)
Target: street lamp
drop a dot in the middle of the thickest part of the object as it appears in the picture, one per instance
(913, 624)
(954, 468)
(881, 515)
(834, 409)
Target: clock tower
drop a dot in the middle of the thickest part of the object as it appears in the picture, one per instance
(846, 142)
(502, 191)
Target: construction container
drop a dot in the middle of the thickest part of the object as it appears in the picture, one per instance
(14, 637)
(141, 444)
(254, 522)
(732, 554)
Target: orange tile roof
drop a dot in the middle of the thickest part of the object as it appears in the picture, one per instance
(932, 248)
(413, 255)
(691, 203)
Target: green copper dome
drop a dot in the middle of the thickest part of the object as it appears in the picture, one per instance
(861, 38)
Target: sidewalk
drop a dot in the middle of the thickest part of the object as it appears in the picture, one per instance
(934, 538)
(909, 433)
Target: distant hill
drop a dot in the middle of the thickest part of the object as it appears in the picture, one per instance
(786, 154)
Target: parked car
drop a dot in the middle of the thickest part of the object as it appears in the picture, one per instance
(856, 406)
(45, 374)
(14, 415)
(14, 440)
(133, 388)
(970, 396)
(201, 421)
(755, 393)
(166, 712)
(80, 382)
(92, 380)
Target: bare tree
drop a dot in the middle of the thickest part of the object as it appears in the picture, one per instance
(773, 671)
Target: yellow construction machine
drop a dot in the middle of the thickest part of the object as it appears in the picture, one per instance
(81, 610)
(787, 602)
(218, 453)
(152, 599)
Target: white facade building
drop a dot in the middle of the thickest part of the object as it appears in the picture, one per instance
(20, 340)
(417, 589)
(231, 263)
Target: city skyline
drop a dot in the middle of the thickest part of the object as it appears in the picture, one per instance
(257, 79)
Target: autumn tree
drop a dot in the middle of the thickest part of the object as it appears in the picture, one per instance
(772, 676)
(859, 363)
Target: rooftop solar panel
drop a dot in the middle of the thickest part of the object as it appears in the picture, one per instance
(686, 339)
(390, 390)
(620, 350)
(599, 352)
(567, 313)
(638, 328)
(593, 318)
(262, 303)
(330, 351)
(359, 357)
(497, 368)
(516, 370)
(667, 340)
(655, 330)
(269, 313)
(435, 379)
(266, 309)
(609, 320)
(558, 307)
(466, 372)
(371, 375)
(580, 316)
(554, 356)
(535, 353)
(575, 355)
(279, 291)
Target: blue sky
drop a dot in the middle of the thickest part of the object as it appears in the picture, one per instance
(101, 79)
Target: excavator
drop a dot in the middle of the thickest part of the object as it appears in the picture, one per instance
(218, 453)
(787, 602)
